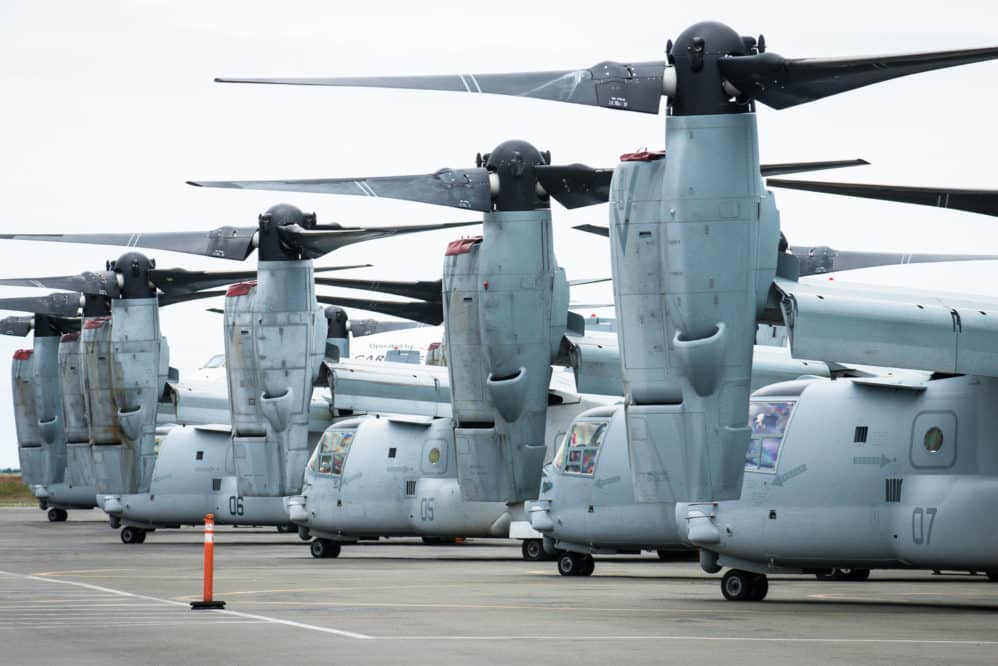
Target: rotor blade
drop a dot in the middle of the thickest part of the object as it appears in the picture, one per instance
(575, 283)
(16, 326)
(457, 188)
(183, 281)
(780, 83)
(65, 304)
(363, 327)
(591, 305)
(425, 290)
(594, 229)
(313, 243)
(102, 283)
(984, 202)
(171, 299)
(426, 313)
(224, 243)
(818, 260)
(629, 87)
(801, 167)
(575, 185)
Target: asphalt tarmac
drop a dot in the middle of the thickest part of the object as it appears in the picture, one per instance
(72, 593)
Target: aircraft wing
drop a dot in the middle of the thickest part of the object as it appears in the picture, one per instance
(891, 327)
(386, 387)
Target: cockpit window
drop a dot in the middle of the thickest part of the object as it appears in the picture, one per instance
(216, 361)
(768, 421)
(580, 447)
(331, 452)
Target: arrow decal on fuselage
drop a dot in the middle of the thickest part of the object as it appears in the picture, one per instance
(880, 460)
(780, 479)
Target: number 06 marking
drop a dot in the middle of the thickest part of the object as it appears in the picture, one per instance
(920, 532)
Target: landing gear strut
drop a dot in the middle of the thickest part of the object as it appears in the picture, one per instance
(738, 585)
(322, 548)
(576, 564)
(114, 522)
(303, 533)
(131, 534)
(57, 515)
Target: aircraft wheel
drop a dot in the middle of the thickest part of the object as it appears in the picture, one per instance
(993, 575)
(533, 550)
(845, 574)
(737, 585)
(57, 515)
(569, 564)
(588, 566)
(759, 588)
(43, 504)
(132, 535)
(322, 548)
(114, 522)
(304, 534)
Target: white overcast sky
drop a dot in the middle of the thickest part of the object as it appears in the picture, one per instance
(108, 107)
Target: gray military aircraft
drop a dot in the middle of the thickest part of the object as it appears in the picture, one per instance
(49, 414)
(274, 333)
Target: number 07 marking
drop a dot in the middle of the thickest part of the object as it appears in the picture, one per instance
(920, 532)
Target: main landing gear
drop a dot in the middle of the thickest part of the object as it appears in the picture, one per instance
(57, 515)
(131, 534)
(738, 585)
(322, 548)
(533, 550)
(576, 564)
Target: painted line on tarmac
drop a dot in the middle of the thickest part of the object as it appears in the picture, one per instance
(249, 616)
(754, 639)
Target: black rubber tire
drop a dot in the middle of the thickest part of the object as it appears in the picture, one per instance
(845, 573)
(758, 588)
(303, 533)
(132, 535)
(588, 566)
(568, 564)
(992, 576)
(533, 550)
(57, 515)
(737, 585)
(323, 548)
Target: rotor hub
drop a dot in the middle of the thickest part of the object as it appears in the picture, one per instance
(132, 272)
(270, 246)
(513, 164)
(700, 88)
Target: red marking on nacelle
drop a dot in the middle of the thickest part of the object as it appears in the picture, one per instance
(96, 322)
(240, 289)
(462, 246)
(22, 354)
(69, 337)
(643, 156)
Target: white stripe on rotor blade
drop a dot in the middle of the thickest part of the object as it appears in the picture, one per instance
(478, 88)
(464, 82)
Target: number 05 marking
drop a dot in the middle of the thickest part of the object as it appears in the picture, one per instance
(920, 532)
